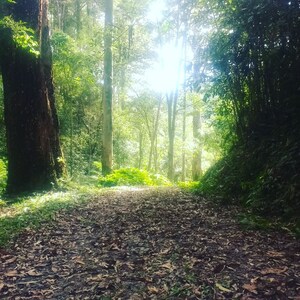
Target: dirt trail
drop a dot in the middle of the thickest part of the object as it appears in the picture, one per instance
(150, 244)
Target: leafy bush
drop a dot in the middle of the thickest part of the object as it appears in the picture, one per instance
(191, 186)
(3, 175)
(131, 177)
(161, 180)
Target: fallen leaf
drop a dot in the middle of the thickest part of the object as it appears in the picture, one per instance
(103, 264)
(153, 289)
(12, 273)
(165, 251)
(254, 280)
(275, 254)
(9, 261)
(222, 288)
(33, 273)
(273, 271)
(114, 247)
(78, 260)
(251, 288)
(2, 285)
(168, 265)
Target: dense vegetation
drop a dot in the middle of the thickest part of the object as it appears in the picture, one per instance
(256, 57)
(226, 100)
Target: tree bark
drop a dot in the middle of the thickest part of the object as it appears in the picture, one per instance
(197, 155)
(153, 136)
(107, 146)
(34, 153)
(172, 99)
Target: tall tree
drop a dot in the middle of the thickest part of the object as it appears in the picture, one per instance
(34, 153)
(107, 148)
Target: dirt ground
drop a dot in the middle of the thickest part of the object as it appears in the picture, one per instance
(150, 243)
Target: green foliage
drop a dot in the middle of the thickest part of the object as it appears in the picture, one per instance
(264, 179)
(191, 186)
(256, 113)
(77, 98)
(132, 177)
(3, 175)
(23, 36)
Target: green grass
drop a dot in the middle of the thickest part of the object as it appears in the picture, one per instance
(33, 211)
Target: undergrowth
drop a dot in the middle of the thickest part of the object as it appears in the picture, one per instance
(133, 177)
(264, 179)
(189, 186)
(3, 175)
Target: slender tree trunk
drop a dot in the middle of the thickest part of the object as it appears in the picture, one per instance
(172, 99)
(141, 152)
(197, 155)
(153, 136)
(156, 155)
(183, 157)
(34, 153)
(78, 17)
(107, 149)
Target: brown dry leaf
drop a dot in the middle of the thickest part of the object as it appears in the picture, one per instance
(53, 269)
(273, 271)
(251, 288)
(96, 278)
(9, 261)
(130, 265)
(165, 251)
(135, 296)
(33, 273)
(114, 247)
(168, 265)
(78, 260)
(254, 280)
(160, 273)
(275, 254)
(153, 289)
(103, 264)
(12, 273)
(166, 288)
(2, 285)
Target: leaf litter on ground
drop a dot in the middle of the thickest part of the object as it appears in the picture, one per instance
(150, 243)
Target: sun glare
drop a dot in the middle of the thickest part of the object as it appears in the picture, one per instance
(167, 73)
(156, 9)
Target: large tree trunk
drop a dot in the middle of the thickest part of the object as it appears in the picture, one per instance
(107, 149)
(34, 153)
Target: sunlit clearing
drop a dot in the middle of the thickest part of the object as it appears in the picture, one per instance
(167, 73)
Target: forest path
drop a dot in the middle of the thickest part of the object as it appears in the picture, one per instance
(150, 244)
